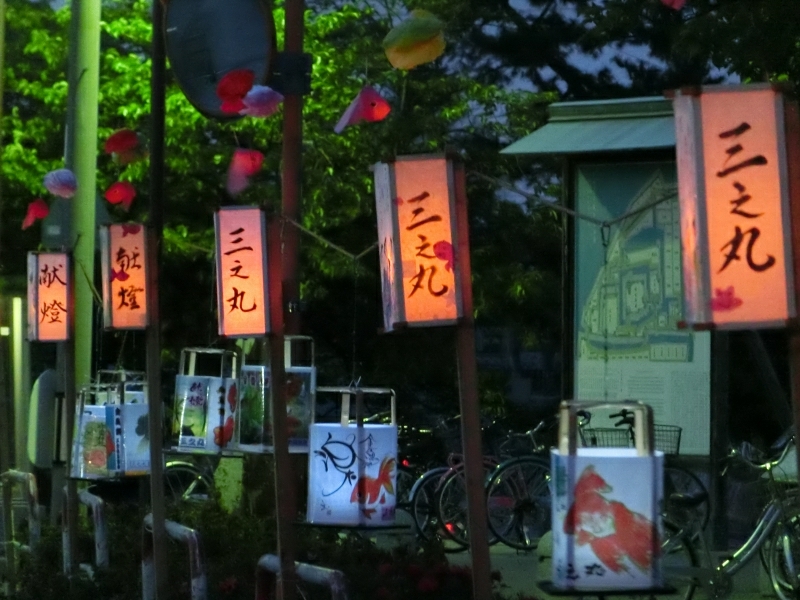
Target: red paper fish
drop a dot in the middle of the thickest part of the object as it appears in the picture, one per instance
(121, 192)
(725, 299)
(244, 164)
(674, 4)
(223, 435)
(368, 105)
(37, 209)
(125, 146)
(444, 251)
(232, 89)
(130, 229)
(368, 489)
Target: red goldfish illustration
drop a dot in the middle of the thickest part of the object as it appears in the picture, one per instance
(232, 397)
(612, 530)
(109, 443)
(444, 251)
(223, 435)
(725, 299)
(130, 229)
(120, 275)
(368, 489)
(37, 209)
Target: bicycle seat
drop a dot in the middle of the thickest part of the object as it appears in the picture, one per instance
(776, 448)
(688, 500)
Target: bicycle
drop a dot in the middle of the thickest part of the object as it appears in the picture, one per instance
(679, 482)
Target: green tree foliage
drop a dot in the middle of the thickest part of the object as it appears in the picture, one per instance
(435, 107)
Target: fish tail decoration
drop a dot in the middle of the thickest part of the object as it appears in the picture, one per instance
(385, 474)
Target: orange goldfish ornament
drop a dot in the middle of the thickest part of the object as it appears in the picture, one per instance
(369, 489)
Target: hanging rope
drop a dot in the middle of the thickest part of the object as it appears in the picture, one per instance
(605, 237)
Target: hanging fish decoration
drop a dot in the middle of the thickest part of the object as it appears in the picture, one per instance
(232, 89)
(61, 182)
(368, 106)
(417, 40)
(121, 192)
(37, 209)
(125, 146)
(674, 4)
(261, 101)
(244, 164)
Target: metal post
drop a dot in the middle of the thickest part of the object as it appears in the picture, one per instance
(153, 342)
(291, 167)
(330, 578)
(70, 506)
(470, 408)
(285, 482)
(197, 567)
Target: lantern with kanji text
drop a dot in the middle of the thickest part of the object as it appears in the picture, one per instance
(49, 302)
(124, 274)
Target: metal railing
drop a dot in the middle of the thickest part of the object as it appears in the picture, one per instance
(12, 546)
(269, 568)
(98, 510)
(197, 567)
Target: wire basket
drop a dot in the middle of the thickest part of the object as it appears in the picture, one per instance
(667, 438)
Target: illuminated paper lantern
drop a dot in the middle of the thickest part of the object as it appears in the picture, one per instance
(734, 202)
(416, 208)
(352, 470)
(124, 274)
(242, 296)
(49, 288)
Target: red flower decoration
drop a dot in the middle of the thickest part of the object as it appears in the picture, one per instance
(232, 89)
(121, 192)
(37, 209)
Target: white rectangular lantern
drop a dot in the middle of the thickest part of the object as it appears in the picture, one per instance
(734, 202)
(416, 206)
(124, 270)
(49, 289)
(242, 294)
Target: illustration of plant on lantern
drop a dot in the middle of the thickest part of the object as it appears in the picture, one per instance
(735, 206)
(416, 208)
(352, 467)
(49, 285)
(124, 276)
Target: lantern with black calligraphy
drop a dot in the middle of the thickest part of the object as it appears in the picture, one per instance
(416, 205)
(242, 295)
(49, 288)
(734, 202)
(123, 258)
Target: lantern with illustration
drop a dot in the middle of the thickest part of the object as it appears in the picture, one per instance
(734, 202)
(352, 465)
(111, 435)
(415, 198)
(49, 289)
(255, 429)
(205, 417)
(242, 295)
(124, 263)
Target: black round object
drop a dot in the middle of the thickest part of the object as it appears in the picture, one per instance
(206, 39)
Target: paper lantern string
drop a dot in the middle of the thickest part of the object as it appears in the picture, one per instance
(261, 101)
(125, 146)
(368, 106)
(417, 40)
(122, 193)
(244, 164)
(61, 182)
(233, 88)
(674, 4)
(37, 209)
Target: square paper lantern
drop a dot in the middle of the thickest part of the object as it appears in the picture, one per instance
(734, 202)
(242, 295)
(417, 234)
(49, 288)
(124, 265)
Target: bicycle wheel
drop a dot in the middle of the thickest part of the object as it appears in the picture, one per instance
(424, 497)
(184, 481)
(686, 503)
(406, 478)
(784, 557)
(518, 502)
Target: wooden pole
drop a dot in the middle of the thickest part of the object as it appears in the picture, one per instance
(291, 180)
(153, 341)
(470, 407)
(284, 479)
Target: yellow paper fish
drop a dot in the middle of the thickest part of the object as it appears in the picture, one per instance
(415, 41)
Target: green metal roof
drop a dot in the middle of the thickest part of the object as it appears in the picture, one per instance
(602, 126)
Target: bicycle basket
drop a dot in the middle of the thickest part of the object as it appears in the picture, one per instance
(606, 437)
(667, 438)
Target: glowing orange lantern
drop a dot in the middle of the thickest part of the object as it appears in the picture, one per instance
(124, 252)
(734, 202)
(242, 296)
(49, 287)
(416, 206)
